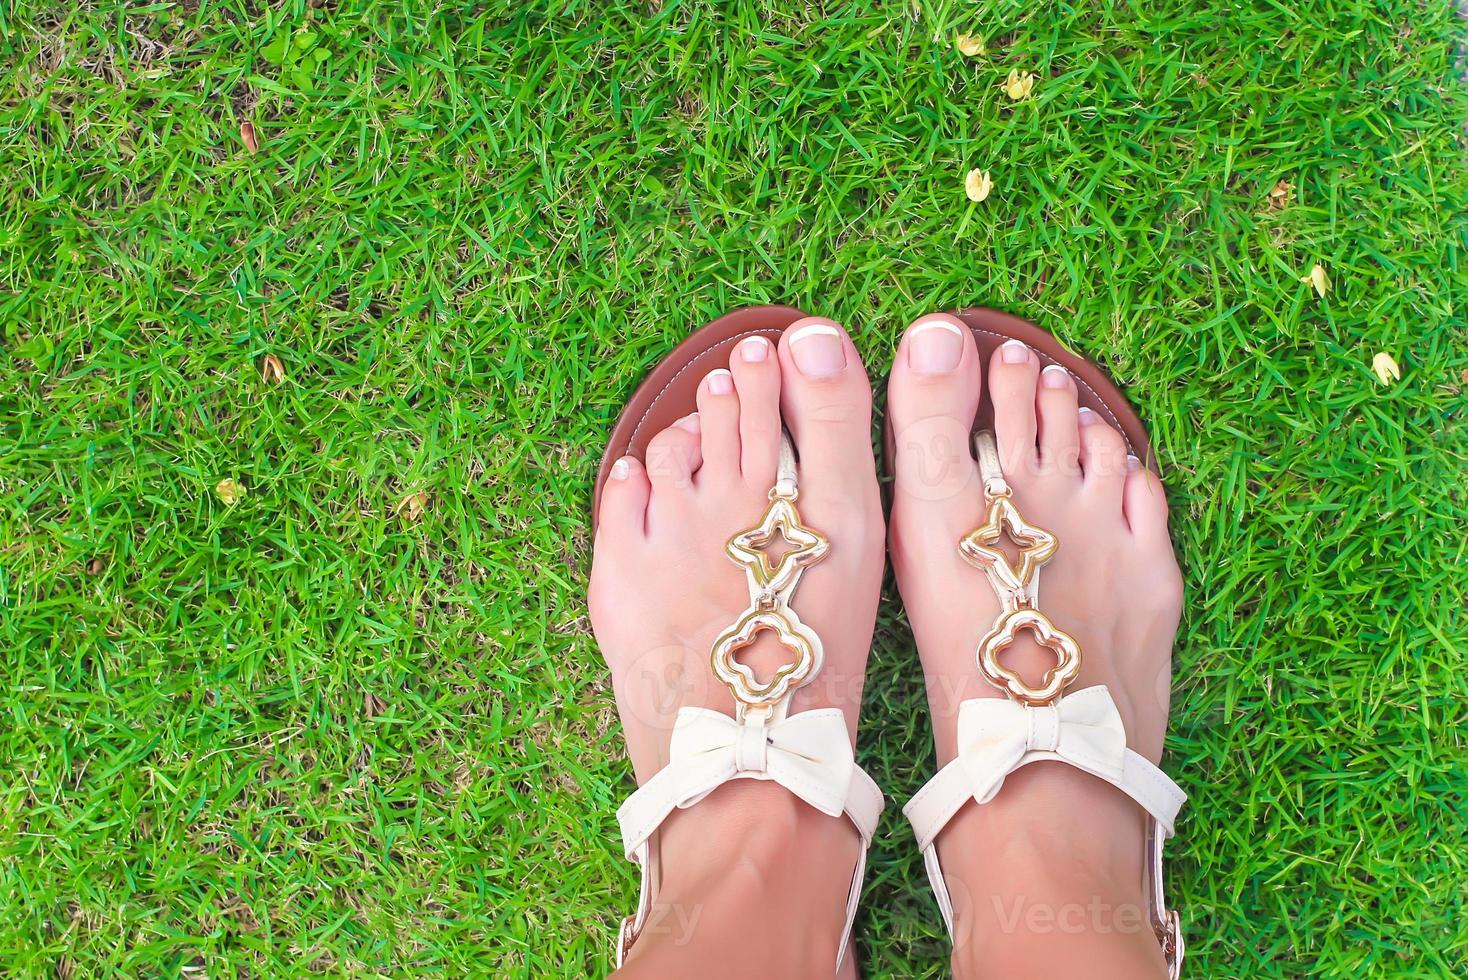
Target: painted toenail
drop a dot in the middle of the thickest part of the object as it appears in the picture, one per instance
(1132, 463)
(754, 349)
(1014, 352)
(720, 382)
(621, 468)
(1055, 376)
(934, 347)
(816, 350)
(688, 423)
(1089, 417)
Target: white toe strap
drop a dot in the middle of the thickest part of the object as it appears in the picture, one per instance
(808, 753)
(997, 736)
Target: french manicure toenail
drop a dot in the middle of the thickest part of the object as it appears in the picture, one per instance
(934, 347)
(816, 350)
(1088, 416)
(1014, 352)
(1054, 376)
(721, 382)
(621, 468)
(1132, 463)
(754, 349)
(688, 423)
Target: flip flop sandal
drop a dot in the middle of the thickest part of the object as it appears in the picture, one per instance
(1081, 728)
(808, 753)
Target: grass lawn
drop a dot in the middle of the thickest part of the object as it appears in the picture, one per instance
(356, 721)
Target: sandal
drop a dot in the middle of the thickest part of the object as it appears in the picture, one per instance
(808, 753)
(1046, 721)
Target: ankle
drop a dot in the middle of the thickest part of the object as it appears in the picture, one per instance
(754, 828)
(1048, 877)
(1049, 813)
(750, 860)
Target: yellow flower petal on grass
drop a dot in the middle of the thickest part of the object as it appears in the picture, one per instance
(1318, 279)
(969, 45)
(229, 491)
(977, 185)
(411, 507)
(1279, 195)
(1386, 368)
(1019, 86)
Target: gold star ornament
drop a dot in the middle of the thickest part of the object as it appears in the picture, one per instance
(782, 520)
(1036, 546)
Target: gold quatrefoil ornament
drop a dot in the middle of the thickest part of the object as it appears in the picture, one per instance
(793, 635)
(1067, 656)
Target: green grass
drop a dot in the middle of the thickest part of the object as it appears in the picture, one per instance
(308, 732)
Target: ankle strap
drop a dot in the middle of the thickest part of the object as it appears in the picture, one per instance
(996, 737)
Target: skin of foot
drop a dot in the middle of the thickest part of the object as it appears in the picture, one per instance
(754, 882)
(1048, 875)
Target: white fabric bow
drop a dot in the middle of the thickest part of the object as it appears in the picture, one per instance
(808, 753)
(996, 736)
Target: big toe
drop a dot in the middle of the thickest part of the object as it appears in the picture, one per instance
(932, 398)
(826, 403)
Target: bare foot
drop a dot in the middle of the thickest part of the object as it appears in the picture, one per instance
(750, 859)
(1054, 839)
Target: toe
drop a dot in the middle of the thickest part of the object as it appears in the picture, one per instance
(674, 456)
(623, 512)
(826, 402)
(932, 398)
(1144, 503)
(757, 381)
(1103, 457)
(1013, 369)
(718, 414)
(1059, 436)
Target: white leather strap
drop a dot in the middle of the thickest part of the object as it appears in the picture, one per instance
(997, 736)
(808, 753)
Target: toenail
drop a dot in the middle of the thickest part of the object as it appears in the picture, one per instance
(720, 382)
(1014, 352)
(1055, 376)
(754, 349)
(934, 347)
(688, 423)
(621, 468)
(1088, 417)
(816, 350)
(1132, 463)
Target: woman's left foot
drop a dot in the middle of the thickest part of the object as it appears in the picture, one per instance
(1053, 835)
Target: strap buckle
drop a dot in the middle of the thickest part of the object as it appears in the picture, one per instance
(626, 936)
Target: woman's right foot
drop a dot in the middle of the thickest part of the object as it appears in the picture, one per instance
(753, 881)
(1047, 876)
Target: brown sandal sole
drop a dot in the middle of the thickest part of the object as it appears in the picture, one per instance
(670, 390)
(1096, 391)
